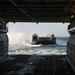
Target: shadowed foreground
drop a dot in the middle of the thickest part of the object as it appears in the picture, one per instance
(35, 65)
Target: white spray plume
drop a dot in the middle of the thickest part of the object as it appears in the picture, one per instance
(16, 38)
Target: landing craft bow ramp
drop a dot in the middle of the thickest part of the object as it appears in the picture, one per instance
(37, 11)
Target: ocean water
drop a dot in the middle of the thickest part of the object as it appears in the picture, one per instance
(24, 47)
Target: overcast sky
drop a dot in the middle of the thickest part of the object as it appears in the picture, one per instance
(58, 29)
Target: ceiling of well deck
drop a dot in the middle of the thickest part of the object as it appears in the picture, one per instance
(37, 10)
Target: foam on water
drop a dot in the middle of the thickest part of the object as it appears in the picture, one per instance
(30, 45)
(44, 50)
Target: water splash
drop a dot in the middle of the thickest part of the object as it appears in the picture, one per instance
(16, 38)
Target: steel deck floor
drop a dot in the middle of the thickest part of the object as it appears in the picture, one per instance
(35, 65)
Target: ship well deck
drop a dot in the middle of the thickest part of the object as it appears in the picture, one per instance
(35, 65)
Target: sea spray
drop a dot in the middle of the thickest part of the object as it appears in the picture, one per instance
(16, 38)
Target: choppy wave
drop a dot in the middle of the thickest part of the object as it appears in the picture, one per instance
(40, 50)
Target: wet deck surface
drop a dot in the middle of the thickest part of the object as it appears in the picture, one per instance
(35, 65)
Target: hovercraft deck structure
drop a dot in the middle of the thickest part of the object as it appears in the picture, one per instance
(49, 39)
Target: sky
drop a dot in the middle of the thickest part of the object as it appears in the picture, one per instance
(58, 29)
(17, 32)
